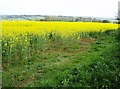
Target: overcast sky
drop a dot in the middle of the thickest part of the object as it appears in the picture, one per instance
(92, 8)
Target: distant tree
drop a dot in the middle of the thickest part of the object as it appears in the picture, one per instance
(77, 19)
(41, 19)
(118, 20)
(106, 21)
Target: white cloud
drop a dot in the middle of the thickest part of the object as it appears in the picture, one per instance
(97, 8)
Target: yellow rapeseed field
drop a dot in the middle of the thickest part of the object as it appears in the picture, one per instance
(23, 35)
(64, 28)
(32, 51)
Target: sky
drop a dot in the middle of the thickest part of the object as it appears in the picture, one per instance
(90, 8)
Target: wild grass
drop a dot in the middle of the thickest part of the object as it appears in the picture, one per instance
(89, 61)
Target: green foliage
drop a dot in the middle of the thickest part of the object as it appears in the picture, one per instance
(106, 21)
(54, 61)
(118, 35)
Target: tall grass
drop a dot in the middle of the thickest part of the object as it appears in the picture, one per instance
(17, 50)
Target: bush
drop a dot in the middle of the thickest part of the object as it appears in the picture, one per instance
(106, 21)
